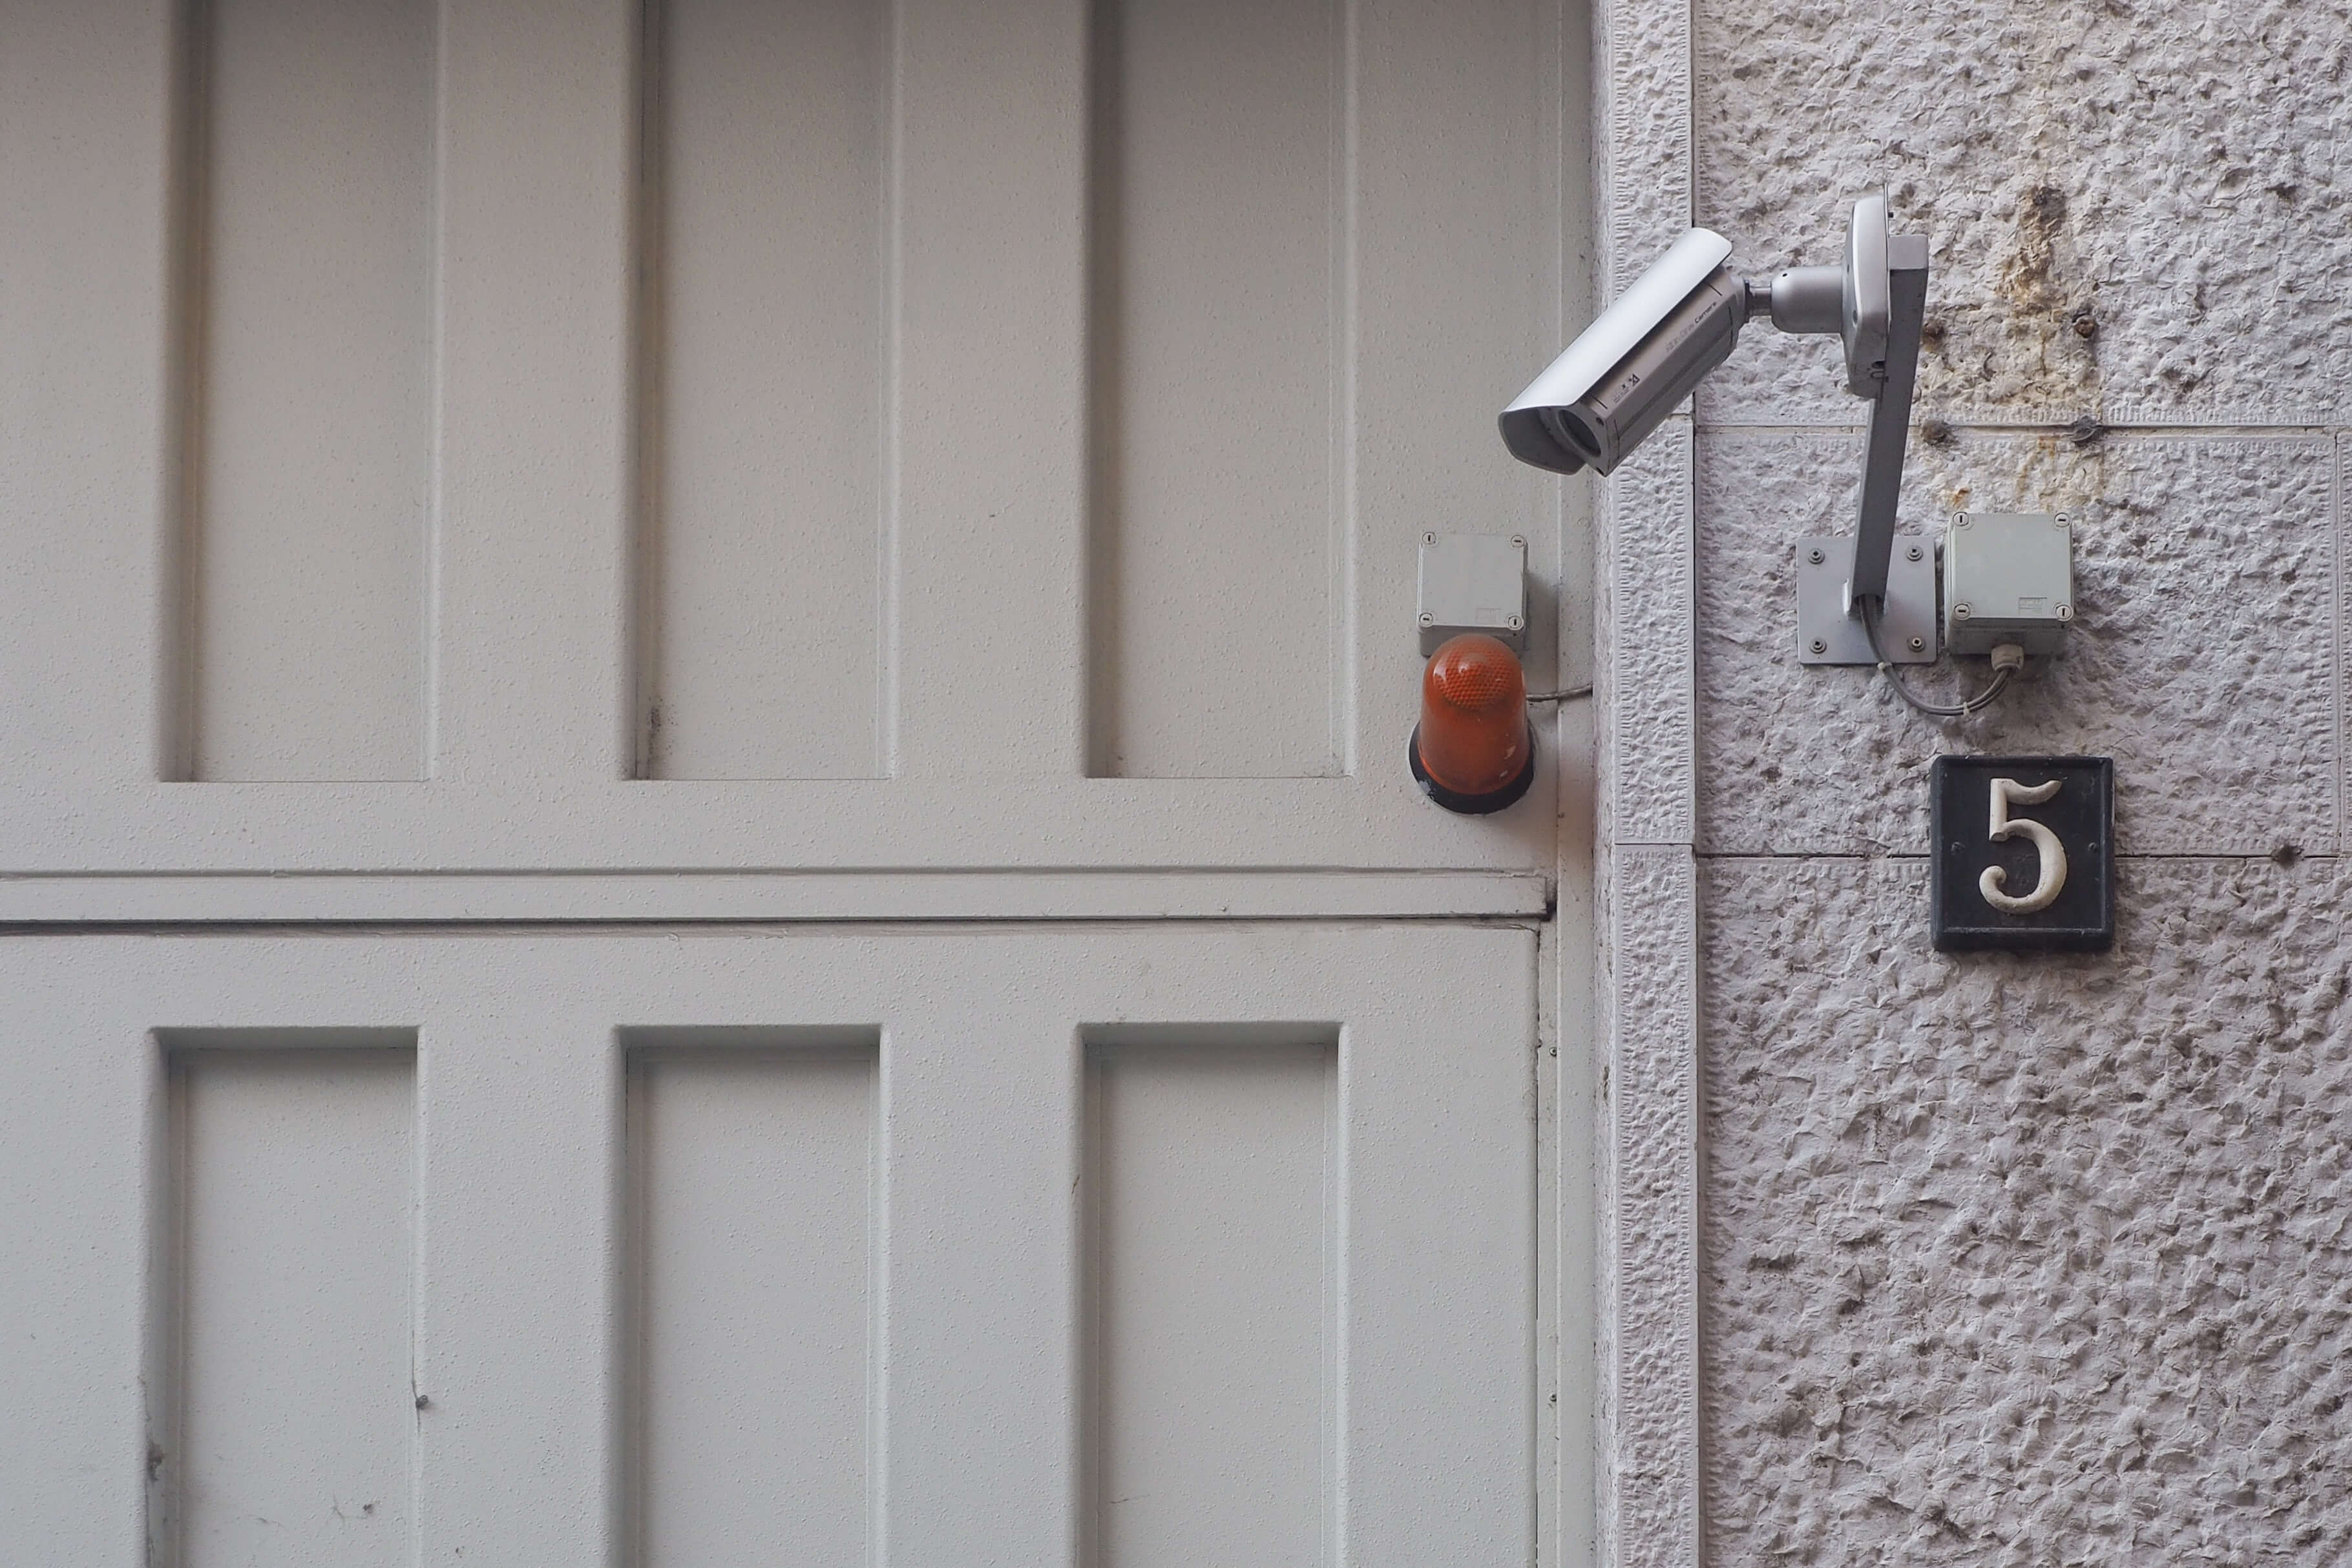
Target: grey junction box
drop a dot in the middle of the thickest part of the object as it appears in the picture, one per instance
(1473, 583)
(2008, 576)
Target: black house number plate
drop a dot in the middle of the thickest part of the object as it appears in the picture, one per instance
(2024, 853)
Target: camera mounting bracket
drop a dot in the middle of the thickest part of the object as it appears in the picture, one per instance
(1902, 268)
(1829, 633)
(1641, 358)
(1880, 311)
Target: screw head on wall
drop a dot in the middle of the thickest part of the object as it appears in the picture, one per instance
(2065, 613)
(1959, 612)
(1819, 646)
(1815, 557)
(1917, 644)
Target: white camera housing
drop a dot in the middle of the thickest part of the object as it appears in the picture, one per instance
(1650, 350)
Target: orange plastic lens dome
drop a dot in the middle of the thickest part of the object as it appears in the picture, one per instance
(1474, 743)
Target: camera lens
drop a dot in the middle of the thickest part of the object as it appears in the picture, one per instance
(1574, 433)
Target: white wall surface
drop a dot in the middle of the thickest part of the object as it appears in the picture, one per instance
(1993, 1259)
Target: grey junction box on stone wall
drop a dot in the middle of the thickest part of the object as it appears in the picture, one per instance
(1473, 583)
(2008, 576)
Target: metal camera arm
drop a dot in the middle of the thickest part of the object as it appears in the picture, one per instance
(1877, 302)
(1895, 375)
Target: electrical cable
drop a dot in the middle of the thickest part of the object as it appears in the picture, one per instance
(2007, 659)
(1566, 693)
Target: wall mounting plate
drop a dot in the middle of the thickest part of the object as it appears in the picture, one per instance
(1826, 634)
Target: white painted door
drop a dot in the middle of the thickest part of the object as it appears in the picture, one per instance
(1124, 1245)
(704, 849)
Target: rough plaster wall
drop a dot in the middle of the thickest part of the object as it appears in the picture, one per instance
(2165, 171)
(2027, 1262)
(2203, 659)
(2003, 1261)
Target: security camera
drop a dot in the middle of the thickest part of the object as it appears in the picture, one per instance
(1627, 370)
(1624, 373)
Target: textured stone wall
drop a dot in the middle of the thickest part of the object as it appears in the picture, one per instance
(2028, 1263)
(2007, 1261)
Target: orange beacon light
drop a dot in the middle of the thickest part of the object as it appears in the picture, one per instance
(1473, 750)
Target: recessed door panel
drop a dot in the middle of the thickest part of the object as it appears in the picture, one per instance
(291, 1193)
(1218, 330)
(779, 1246)
(764, 358)
(1210, 1303)
(749, 1317)
(306, 412)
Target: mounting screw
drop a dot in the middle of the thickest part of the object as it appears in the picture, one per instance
(1512, 621)
(2062, 520)
(1959, 612)
(2065, 613)
(1959, 519)
(1819, 646)
(1427, 619)
(1917, 644)
(1911, 554)
(1815, 557)
(1429, 539)
(1519, 541)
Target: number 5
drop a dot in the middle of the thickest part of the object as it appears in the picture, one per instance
(2008, 792)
